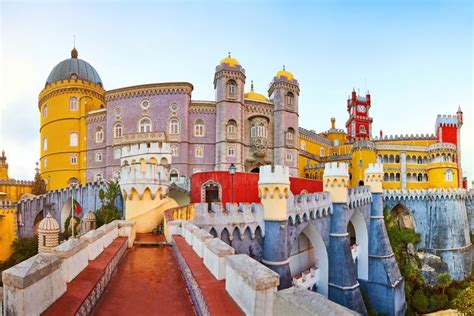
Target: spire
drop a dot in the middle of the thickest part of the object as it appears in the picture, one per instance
(459, 109)
(228, 54)
(284, 68)
(251, 86)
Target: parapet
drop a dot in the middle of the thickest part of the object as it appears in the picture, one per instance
(336, 169)
(429, 194)
(446, 120)
(359, 196)
(307, 207)
(373, 177)
(405, 137)
(374, 168)
(274, 174)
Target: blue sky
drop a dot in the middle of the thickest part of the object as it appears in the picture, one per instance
(415, 57)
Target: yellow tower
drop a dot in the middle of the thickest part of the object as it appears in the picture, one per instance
(443, 169)
(72, 90)
(273, 189)
(363, 154)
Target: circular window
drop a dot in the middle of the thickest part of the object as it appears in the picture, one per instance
(174, 107)
(145, 104)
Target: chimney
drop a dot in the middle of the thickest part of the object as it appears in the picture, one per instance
(333, 123)
(381, 134)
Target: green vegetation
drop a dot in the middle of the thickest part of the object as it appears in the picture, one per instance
(108, 212)
(22, 249)
(39, 186)
(68, 232)
(420, 297)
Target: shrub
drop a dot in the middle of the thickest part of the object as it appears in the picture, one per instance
(108, 212)
(22, 249)
(420, 302)
(438, 302)
(464, 302)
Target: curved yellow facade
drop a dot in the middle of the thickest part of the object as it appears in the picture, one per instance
(63, 108)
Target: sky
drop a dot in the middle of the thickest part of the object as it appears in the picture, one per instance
(415, 57)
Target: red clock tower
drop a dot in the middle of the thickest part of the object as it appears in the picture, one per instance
(359, 124)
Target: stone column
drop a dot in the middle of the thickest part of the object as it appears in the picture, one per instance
(343, 285)
(385, 286)
(403, 170)
(273, 188)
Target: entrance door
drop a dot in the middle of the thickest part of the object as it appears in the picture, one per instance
(212, 194)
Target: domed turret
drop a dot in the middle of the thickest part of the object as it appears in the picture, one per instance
(88, 222)
(74, 68)
(232, 62)
(48, 234)
(254, 95)
(284, 73)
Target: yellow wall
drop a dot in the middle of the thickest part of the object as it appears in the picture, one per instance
(357, 170)
(59, 123)
(7, 231)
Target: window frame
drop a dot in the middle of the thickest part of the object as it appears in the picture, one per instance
(99, 135)
(174, 126)
(73, 104)
(148, 128)
(118, 127)
(199, 152)
(76, 142)
(199, 128)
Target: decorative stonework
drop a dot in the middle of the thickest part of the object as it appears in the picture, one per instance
(208, 184)
(48, 234)
(149, 90)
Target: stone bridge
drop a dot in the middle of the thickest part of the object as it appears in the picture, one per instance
(32, 210)
(441, 217)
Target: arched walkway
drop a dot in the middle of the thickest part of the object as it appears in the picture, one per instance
(361, 248)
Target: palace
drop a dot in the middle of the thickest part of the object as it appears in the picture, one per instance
(84, 127)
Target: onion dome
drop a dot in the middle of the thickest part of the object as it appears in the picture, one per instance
(254, 95)
(74, 68)
(48, 225)
(284, 73)
(232, 62)
(89, 217)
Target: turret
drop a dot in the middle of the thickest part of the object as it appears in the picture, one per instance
(459, 116)
(3, 167)
(359, 124)
(373, 177)
(363, 154)
(273, 188)
(336, 181)
(48, 234)
(229, 83)
(284, 93)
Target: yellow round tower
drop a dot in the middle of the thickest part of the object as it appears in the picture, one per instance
(72, 90)
(363, 154)
(443, 169)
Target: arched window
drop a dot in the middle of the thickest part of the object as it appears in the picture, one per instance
(258, 130)
(98, 156)
(408, 177)
(385, 177)
(397, 159)
(336, 142)
(289, 156)
(199, 128)
(73, 104)
(425, 177)
(45, 111)
(145, 125)
(98, 177)
(231, 88)
(303, 145)
(420, 160)
(322, 152)
(420, 177)
(45, 162)
(290, 100)
(174, 150)
(391, 159)
(379, 159)
(73, 181)
(73, 159)
(385, 159)
(448, 176)
(231, 129)
(198, 152)
(174, 126)
(392, 177)
(164, 161)
(99, 135)
(174, 175)
(45, 143)
(118, 130)
(231, 151)
(362, 129)
(73, 139)
(397, 177)
(290, 136)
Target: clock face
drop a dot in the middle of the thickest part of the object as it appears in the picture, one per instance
(361, 108)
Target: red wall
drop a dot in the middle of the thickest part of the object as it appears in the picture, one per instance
(245, 185)
(450, 134)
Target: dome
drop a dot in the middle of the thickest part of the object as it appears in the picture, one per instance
(89, 217)
(48, 224)
(71, 67)
(232, 62)
(254, 95)
(284, 73)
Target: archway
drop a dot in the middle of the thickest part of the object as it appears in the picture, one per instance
(359, 242)
(255, 170)
(309, 256)
(65, 213)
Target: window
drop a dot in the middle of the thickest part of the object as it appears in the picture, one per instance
(98, 156)
(99, 135)
(448, 176)
(117, 153)
(290, 100)
(145, 104)
(73, 181)
(45, 111)
(322, 152)
(73, 139)
(117, 130)
(360, 163)
(289, 156)
(198, 152)
(145, 125)
(199, 128)
(231, 88)
(45, 162)
(362, 129)
(290, 136)
(116, 175)
(231, 151)
(98, 177)
(174, 150)
(303, 145)
(258, 131)
(336, 142)
(45, 143)
(73, 104)
(334, 153)
(174, 175)
(174, 126)
(73, 159)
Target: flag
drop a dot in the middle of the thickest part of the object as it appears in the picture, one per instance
(76, 207)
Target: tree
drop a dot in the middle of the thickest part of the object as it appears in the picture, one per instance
(39, 186)
(22, 249)
(464, 303)
(444, 281)
(108, 212)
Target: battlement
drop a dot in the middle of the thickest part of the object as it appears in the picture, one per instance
(426, 194)
(361, 144)
(274, 174)
(336, 169)
(232, 217)
(374, 168)
(140, 145)
(359, 196)
(405, 137)
(17, 182)
(446, 121)
(309, 206)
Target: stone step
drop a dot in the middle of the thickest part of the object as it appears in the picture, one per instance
(151, 243)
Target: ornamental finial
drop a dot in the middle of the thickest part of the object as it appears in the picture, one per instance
(251, 86)
(228, 54)
(74, 53)
(283, 67)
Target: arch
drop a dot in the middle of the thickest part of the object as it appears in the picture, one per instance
(231, 88)
(145, 125)
(225, 236)
(420, 177)
(199, 128)
(118, 130)
(173, 126)
(320, 255)
(397, 177)
(385, 159)
(392, 177)
(379, 159)
(391, 159)
(420, 160)
(39, 217)
(163, 161)
(385, 177)
(290, 100)
(397, 159)
(213, 232)
(362, 240)
(231, 129)
(153, 161)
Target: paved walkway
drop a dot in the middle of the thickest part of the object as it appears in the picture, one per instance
(147, 282)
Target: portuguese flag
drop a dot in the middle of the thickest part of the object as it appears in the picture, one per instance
(76, 207)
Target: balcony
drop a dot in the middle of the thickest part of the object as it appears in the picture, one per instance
(140, 138)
